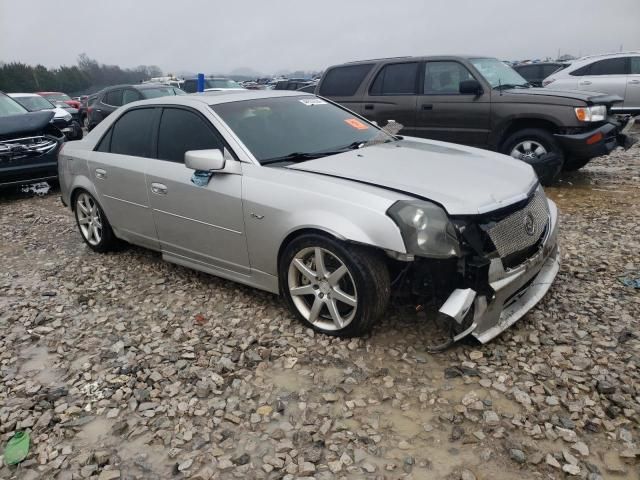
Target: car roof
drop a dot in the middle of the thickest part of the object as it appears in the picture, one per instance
(50, 93)
(418, 58)
(215, 98)
(18, 95)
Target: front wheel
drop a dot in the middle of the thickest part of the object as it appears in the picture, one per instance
(538, 148)
(334, 288)
(93, 224)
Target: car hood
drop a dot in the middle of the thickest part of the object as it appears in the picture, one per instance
(590, 98)
(31, 122)
(464, 180)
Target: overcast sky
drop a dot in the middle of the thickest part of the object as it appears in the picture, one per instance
(270, 35)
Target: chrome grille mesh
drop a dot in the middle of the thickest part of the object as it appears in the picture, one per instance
(513, 233)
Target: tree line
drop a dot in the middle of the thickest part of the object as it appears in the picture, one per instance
(85, 77)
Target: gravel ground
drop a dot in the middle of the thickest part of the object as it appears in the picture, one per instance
(124, 366)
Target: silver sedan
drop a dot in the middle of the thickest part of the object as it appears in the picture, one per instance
(293, 194)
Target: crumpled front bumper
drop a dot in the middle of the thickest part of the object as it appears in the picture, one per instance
(516, 290)
(598, 141)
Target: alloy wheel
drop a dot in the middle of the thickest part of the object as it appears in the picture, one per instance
(322, 289)
(89, 219)
(528, 150)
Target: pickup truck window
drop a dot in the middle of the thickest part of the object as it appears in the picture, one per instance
(443, 78)
(396, 79)
(344, 81)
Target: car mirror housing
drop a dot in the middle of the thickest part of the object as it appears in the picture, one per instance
(472, 87)
(204, 160)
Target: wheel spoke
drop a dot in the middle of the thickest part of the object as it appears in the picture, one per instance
(303, 290)
(340, 296)
(82, 206)
(335, 315)
(83, 221)
(336, 275)
(306, 271)
(319, 259)
(526, 146)
(540, 151)
(315, 310)
(96, 233)
(516, 154)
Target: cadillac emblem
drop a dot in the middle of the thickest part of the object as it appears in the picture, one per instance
(529, 224)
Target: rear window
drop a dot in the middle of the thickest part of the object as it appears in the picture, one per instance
(131, 133)
(113, 98)
(344, 81)
(396, 79)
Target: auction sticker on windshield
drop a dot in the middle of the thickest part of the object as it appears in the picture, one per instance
(355, 123)
(310, 102)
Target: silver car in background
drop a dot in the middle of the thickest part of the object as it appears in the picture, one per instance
(614, 73)
(290, 193)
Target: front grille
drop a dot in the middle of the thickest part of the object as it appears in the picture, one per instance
(522, 229)
(18, 148)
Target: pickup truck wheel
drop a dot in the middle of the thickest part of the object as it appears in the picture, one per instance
(93, 224)
(531, 145)
(334, 288)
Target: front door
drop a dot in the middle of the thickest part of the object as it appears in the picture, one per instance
(606, 76)
(446, 114)
(118, 168)
(393, 96)
(202, 224)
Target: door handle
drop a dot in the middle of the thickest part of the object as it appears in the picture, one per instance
(585, 82)
(634, 82)
(368, 107)
(427, 106)
(159, 188)
(101, 173)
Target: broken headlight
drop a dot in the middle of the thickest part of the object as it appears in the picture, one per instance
(426, 229)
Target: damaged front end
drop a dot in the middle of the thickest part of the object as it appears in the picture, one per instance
(507, 261)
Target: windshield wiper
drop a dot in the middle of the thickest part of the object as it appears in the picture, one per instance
(505, 86)
(294, 157)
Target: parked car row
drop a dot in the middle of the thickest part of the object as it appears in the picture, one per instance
(66, 119)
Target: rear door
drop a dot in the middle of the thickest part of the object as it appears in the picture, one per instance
(109, 102)
(344, 85)
(201, 224)
(393, 96)
(606, 76)
(446, 114)
(632, 97)
(118, 169)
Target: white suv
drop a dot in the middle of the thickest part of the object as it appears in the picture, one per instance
(616, 74)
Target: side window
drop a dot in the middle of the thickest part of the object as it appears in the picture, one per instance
(528, 72)
(582, 71)
(132, 133)
(130, 95)
(113, 98)
(181, 131)
(443, 78)
(549, 69)
(635, 65)
(344, 81)
(105, 143)
(610, 66)
(190, 86)
(396, 79)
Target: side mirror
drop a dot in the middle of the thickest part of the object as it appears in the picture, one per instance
(205, 160)
(470, 87)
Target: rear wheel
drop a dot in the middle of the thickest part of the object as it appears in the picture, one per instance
(93, 224)
(334, 288)
(532, 145)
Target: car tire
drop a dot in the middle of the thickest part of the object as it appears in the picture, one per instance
(533, 144)
(573, 164)
(342, 297)
(94, 227)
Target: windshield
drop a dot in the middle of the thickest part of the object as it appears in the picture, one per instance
(161, 92)
(277, 127)
(34, 104)
(220, 83)
(57, 97)
(497, 73)
(10, 107)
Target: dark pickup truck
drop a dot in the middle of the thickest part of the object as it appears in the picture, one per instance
(480, 102)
